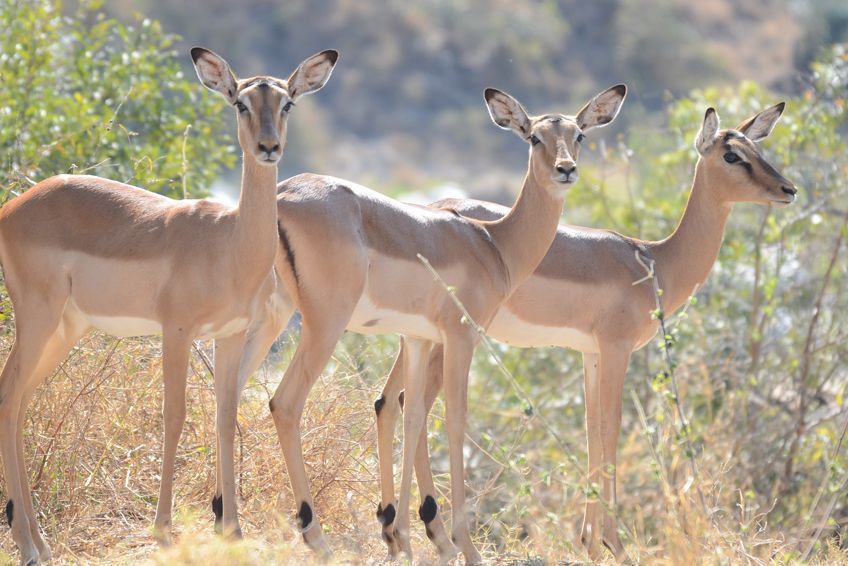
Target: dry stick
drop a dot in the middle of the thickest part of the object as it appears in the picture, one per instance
(660, 315)
(806, 365)
(467, 319)
(837, 495)
(807, 354)
(185, 161)
(652, 275)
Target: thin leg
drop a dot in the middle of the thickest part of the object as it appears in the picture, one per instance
(594, 447)
(36, 324)
(228, 353)
(413, 423)
(614, 362)
(318, 338)
(56, 350)
(387, 407)
(429, 511)
(457, 362)
(176, 345)
(259, 339)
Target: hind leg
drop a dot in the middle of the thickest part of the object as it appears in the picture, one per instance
(60, 343)
(320, 331)
(37, 322)
(387, 407)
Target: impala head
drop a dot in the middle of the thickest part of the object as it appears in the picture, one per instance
(554, 139)
(735, 165)
(263, 103)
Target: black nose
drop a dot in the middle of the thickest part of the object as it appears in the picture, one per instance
(789, 190)
(566, 170)
(263, 147)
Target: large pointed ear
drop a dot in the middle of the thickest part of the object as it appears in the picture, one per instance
(313, 73)
(507, 112)
(758, 127)
(709, 132)
(602, 109)
(214, 73)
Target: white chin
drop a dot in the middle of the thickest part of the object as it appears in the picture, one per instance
(780, 204)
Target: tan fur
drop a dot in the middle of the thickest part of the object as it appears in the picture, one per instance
(82, 251)
(585, 285)
(349, 259)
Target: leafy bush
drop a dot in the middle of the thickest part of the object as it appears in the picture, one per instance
(87, 94)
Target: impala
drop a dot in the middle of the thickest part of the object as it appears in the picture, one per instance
(81, 252)
(582, 296)
(349, 260)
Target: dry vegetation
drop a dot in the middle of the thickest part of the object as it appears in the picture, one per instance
(762, 358)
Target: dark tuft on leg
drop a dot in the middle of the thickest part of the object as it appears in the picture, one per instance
(218, 507)
(427, 511)
(304, 515)
(271, 405)
(386, 516)
(10, 511)
(430, 534)
(378, 404)
(388, 538)
(400, 398)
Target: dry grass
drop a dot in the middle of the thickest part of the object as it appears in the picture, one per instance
(94, 438)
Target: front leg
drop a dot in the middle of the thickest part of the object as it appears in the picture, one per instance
(413, 423)
(614, 360)
(176, 344)
(592, 521)
(228, 353)
(259, 338)
(428, 512)
(458, 351)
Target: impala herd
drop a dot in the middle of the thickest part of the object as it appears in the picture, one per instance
(81, 252)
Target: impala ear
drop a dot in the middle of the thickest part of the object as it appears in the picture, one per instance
(602, 109)
(214, 73)
(313, 73)
(709, 132)
(507, 112)
(759, 126)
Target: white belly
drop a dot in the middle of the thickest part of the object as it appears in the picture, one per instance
(210, 331)
(368, 318)
(510, 329)
(124, 326)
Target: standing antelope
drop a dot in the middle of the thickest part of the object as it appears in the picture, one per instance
(582, 297)
(81, 252)
(349, 260)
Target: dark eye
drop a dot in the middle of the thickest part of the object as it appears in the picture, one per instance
(241, 107)
(731, 157)
(580, 138)
(534, 140)
(288, 106)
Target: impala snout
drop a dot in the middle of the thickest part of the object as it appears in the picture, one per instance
(785, 193)
(269, 152)
(566, 172)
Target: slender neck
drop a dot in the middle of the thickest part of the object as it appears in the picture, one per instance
(525, 234)
(256, 224)
(684, 259)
